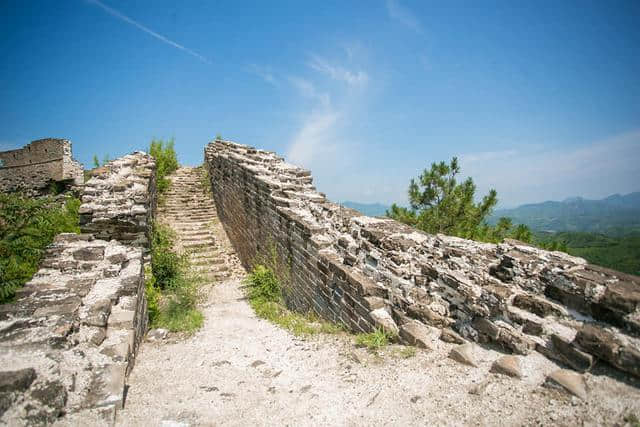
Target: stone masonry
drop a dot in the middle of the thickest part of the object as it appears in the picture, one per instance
(119, 201)
(39, 163)
(372, 272)
(69, 340)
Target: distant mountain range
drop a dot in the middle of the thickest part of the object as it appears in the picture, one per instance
(615, 215)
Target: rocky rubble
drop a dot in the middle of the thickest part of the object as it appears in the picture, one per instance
(69, 340)
(349, 268)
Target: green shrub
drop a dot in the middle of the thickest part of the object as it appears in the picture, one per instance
(263, 284)
(166, 265)
(27, 227)
(166, 161)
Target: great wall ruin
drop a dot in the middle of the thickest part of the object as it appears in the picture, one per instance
(476, 310)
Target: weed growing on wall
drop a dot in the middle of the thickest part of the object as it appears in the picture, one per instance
(265, 297)
(166, 161)
(27, 227)
(171, 286)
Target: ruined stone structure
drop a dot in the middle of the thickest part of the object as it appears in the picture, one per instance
(370, 272)
(35, 166)
(119, 201)
(70, 338)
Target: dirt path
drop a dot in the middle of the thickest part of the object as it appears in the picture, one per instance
(241, 370)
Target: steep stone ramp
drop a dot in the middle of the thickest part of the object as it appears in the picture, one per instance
(189, 210)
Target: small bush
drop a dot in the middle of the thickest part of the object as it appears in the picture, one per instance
(27, 227)
(167, 266)
(374, 340)
(263, 284)
(166, 161)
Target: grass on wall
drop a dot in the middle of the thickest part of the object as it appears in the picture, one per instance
(27, 227)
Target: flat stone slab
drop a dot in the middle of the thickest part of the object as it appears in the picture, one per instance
(508, 365)
(570, 381)
(464, 354)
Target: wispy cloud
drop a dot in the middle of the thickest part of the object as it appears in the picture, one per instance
(315, 140)
(265, 73)
(528, 173)
(337, 72)
(125, 18)
(404, 16)
(308, 90)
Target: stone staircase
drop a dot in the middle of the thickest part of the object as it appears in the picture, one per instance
(190, 211)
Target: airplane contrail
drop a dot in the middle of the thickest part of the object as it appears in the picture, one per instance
(149, 31)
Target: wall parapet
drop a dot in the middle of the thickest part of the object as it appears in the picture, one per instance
(37, 164)
(374, 272)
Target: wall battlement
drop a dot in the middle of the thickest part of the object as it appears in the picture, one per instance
(372, 272)
(37, 164)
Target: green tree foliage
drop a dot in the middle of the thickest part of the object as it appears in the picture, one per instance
(440, 204)
(166, 161)
(27, 227)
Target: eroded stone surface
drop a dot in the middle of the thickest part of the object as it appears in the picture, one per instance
(60, 350)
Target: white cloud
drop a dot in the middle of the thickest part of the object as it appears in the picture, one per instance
(404, 16)
(265, 73)
(308, 90)
(336, 72)
(535, 173)
(315, 142)
(125, 18)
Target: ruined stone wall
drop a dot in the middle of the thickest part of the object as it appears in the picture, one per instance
(69, 340)
(372, 272)
(37, 164)
(119, 201)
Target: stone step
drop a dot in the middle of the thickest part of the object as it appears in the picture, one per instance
(211, 254)
(198, 239)
(186, 208)
(207, 261)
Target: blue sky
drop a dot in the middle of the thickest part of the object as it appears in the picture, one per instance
(540, 100)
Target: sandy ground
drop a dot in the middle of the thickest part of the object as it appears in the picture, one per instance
(241, 370)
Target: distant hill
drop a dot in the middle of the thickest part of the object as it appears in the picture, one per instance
(369, 209)
(619, 253)
(615, 215)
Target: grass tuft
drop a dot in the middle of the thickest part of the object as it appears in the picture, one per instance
(374, 340)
